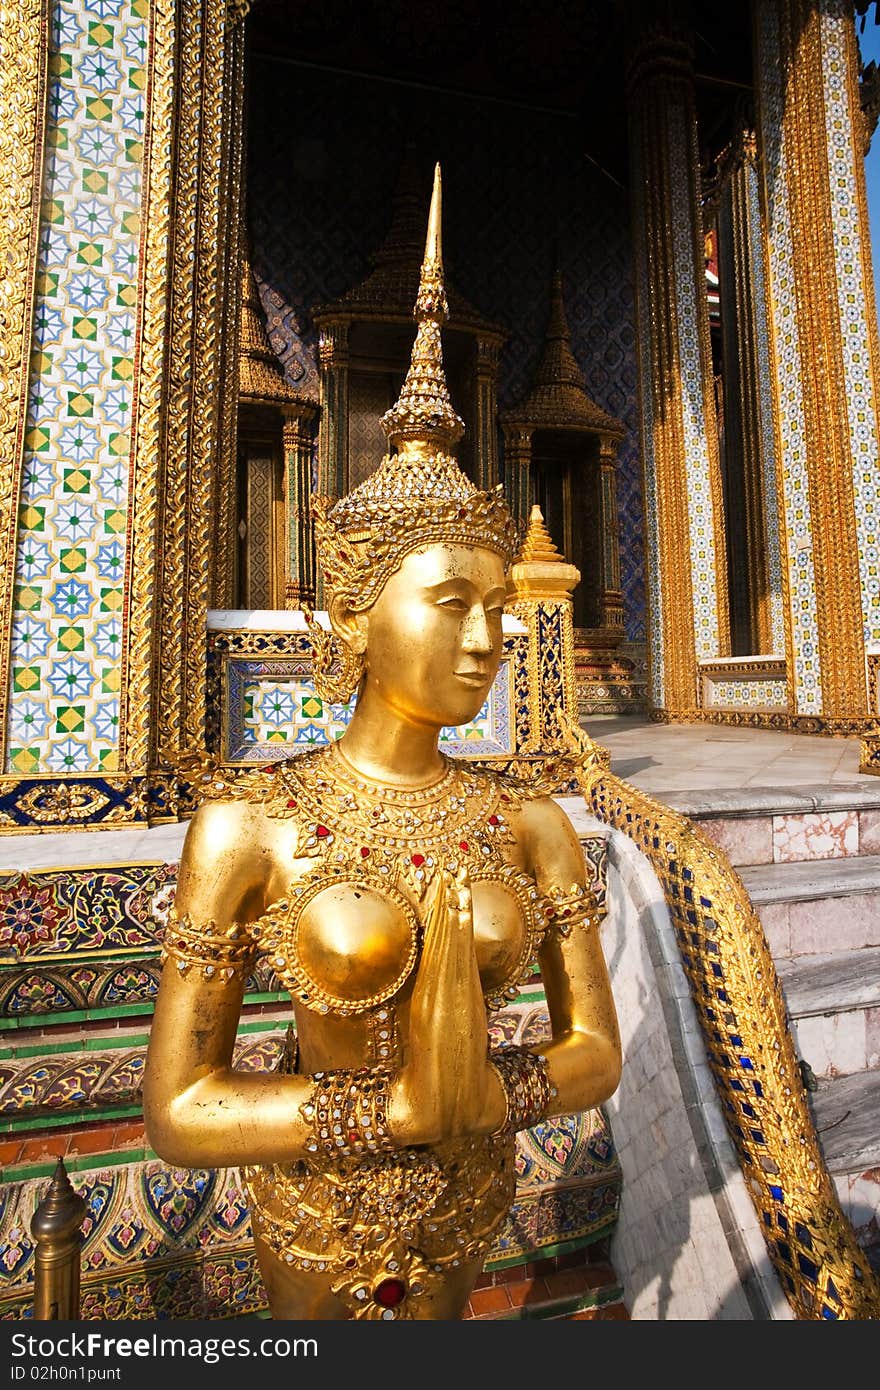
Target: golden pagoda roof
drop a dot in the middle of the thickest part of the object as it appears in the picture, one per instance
(260, 376)
(558, 399)
(389, 291)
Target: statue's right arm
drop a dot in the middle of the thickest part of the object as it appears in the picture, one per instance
(198, 1111)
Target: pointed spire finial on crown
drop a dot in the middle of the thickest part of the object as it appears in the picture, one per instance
(424, 414)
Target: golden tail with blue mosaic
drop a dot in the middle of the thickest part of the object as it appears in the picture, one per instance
(824, 1272)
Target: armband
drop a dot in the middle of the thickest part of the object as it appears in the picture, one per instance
(576, 907)
(217, 953)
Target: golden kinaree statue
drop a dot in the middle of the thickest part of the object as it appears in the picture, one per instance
(399, 894)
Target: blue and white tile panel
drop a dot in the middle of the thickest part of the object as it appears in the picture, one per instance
(853, 283)
(798, 554)
(748, 694)
(700, 507)
(653, 573)
(71, 545)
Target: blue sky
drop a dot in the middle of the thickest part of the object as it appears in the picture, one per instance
(869, 44)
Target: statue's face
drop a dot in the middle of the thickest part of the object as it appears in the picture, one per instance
(434, 633)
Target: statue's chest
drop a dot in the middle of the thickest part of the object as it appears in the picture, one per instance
(347, 934)
(346, 942)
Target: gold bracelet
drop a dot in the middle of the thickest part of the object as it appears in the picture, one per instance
(347, 1113)
(574, 908)
(525, 1080)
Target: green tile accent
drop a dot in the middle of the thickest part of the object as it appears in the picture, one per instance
(546, 1252)
(70, 1119)
(78, 1165)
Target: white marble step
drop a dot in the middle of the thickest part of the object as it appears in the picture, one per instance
(816, 906)
(846, 1113)
(766, 825)
(811, 879)
(833, 1000)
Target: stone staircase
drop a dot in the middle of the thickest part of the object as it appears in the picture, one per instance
(809, 858)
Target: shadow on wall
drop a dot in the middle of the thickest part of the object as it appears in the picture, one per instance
(687, 1245)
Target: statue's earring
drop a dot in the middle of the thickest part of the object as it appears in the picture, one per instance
(337, 669)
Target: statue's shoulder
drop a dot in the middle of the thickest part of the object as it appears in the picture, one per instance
(272, 787)
(526, 779)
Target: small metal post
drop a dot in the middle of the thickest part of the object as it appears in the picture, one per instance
(55, 1228)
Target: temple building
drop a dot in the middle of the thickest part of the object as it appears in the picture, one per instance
(663, 343)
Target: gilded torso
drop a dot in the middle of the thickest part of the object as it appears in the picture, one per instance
(345, 940)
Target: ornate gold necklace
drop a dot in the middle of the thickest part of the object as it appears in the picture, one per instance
(462, 816)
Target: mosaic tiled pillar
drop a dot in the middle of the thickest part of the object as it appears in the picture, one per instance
(332, 436)
(543, 583)
(71, 450)
(685, 540)
(824, 339)
(517, 473)
(111, 474)
(300, 583)
(611, 597)
(486, 450)
(757, 623)
(203, 287)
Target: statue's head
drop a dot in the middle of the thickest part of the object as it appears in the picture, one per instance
(417, 541)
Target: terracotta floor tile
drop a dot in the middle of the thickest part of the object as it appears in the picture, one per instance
(130, 1132)
(521, 1292)
(538, 1293)
(567, 1281)
(492, 1300)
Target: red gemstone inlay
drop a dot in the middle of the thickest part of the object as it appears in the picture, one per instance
(291, 804)
(365, 849)
(463, 844)
(418, 860)
(493, 820)
(322, 831)
(390, 1293)
(353, 1136)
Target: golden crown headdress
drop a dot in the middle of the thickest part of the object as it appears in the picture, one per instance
(418, 495)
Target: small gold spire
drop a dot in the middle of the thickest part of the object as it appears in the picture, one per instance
(539, 544)
(424, 414)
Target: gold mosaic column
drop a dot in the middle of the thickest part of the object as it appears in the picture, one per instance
(824, 351)
(517, 472)
(685, 540)
(543, 583)
(756, 579)
(203, 219)
(300, 580)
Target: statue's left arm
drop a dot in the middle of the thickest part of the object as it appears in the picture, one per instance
(584, 1055)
